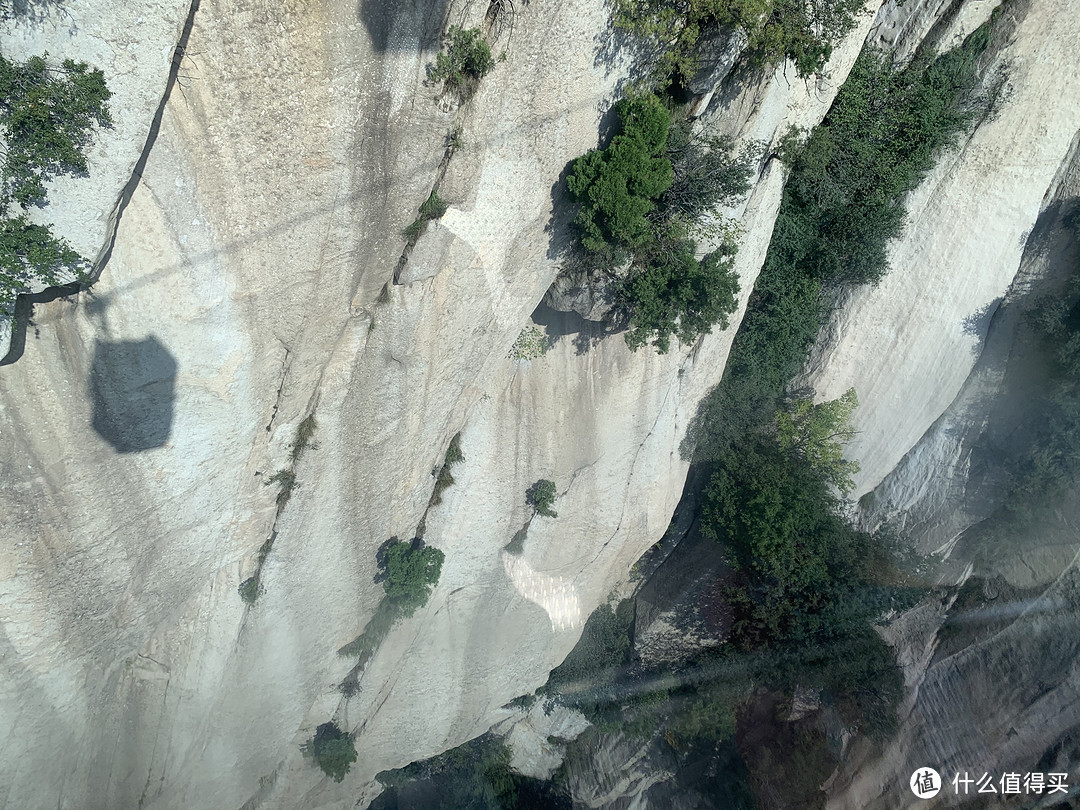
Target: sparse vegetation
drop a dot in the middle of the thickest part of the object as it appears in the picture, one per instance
(431, 208)
(47, 114)
(541, 496)
(530, 344)
(445, 477)
(286, 481)
(777, 29)
(304, 433)
(465, 59)
(333, 750)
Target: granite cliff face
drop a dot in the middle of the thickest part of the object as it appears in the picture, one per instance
(264, 171)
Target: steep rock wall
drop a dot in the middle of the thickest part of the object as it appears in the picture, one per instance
(242, 294)
(908, 344)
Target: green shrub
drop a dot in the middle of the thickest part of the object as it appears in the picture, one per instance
(777, 29)
(431, 208)
(333, 750)
(47, 115)
(250, 589)
(464, 62)
(675, 294)
(445, 477)
(304, 432)
(844, 199)
(531, 343)
(286, 481)
(617, 186)
(412, 570)
(541, 496)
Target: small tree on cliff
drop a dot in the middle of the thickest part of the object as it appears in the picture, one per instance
(332, 749)
(818, 434)
(47, 114)
(464, 62)
(412, 570)
(541, 496)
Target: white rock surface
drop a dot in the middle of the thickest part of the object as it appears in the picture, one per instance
(537, 737)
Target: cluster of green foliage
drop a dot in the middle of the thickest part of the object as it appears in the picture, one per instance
(804, 32)
(676, 294)
(844, 199)
(409, 572)
(805, 574)
(445, 477)
(412, 570)
(431, 208)
(47, 114)
(332, 749)
(1051, 464)
(618, 186)
(818, 433)
(541, 496)
(640, 199)
(531, 343)
(473, 776)
(842, 203)
(464, 62)
(251, 588)
(286, 481)
(304, 433)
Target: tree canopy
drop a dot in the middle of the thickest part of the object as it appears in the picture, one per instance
(617, 186)
(642, 197)
(804, 31)
(465, 60)
(333, 750)
(412, 570)
(818, 433)
(48, 115)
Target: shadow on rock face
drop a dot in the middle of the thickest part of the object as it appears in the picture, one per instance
(411, 25)
(132, 383)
